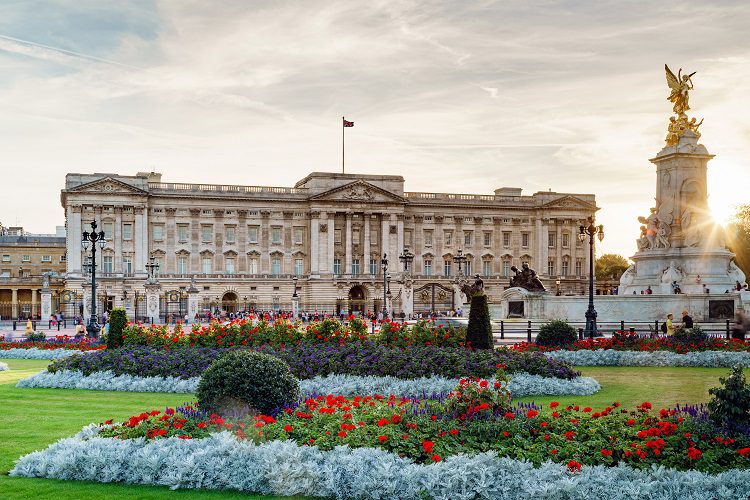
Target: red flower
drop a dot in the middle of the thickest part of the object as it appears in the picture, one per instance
(574, 466)
(510, 415)
(587, 409)
(484, 384)
(453, 432)
(630, 422)
(383, 421)
(531, 413)
(396, 419)
(606, 452)
(383, 439)
(694, 453)
(427, 446)
(436, 458)
(342, 434)
(288, 428)
(569, 435)
(554, 404)
(744, 451)
(554, 452)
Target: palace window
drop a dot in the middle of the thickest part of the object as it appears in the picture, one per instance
(506, 268)
(565, 240)
(551, 267)
(229, 265)
(207, 265)
(551, 239)
(487, 238)
(428, 267)
(525, 240)
(506, 239)
(252, 234)
(373, 266)
(355, 266)
(565, 266)
(107, 264)
(299, 234)
(158, 231)
(26, 258)
(428, 238)
(206, 234)
(127, 232)
(159, 266)
(336, 266)
(487, 268)
(276, 235)
(467, 268)
(182, 264)
(252, 265)
(127, 265)
(299, 266)
(229, 234)
(448, 237)
(63, 258)
(467, 238)
(579, 267)
(408, 240)
(6, 258)
(373, 237)
(46, 258)
(107, 228)
(182, 233)
(337, 236)
(276, 266)
(447, 264)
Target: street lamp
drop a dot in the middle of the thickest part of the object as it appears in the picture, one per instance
(153, 268)
(294, 280)
(295, 298)
(590, 231)
(93, 238)
(406, 258)
(460, 259)
(384, 265)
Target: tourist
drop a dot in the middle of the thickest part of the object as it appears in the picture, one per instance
(648, 290)
(738, 286)
(676, 288)
(687, 321)
(670, 324)
(741, 324)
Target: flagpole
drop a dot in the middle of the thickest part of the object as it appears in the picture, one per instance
(342, 144)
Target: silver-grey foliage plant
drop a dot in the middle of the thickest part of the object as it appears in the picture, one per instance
(611, 357)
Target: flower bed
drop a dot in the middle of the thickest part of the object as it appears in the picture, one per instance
(253, 332)
(37, 353)
(627, 342)
(308, 360)
(521, 384)
(61, 342)
(610, 357)
(375, 447)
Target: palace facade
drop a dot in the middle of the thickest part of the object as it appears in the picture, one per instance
(242, 245)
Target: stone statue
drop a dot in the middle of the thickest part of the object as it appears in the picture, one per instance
(680, 86)
(472, 289)
(672, 274)
(526, 278)
(642, 242)
(690, 229)
(662, 235)
(628, 276)
(45, 280)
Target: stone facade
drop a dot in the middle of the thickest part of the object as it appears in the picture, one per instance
(243, 244)
(24, 258)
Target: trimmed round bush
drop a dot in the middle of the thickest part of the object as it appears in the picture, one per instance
(694, 335)
(246, 382)
(556, 333)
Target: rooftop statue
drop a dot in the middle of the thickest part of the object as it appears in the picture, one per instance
(680, 87)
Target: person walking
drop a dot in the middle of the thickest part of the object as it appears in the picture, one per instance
(670, 324)
(687, 320)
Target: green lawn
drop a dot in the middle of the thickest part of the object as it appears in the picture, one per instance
(31, 419)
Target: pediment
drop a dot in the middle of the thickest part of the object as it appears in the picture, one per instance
(569, 202)
(107, 185)
(359, 191)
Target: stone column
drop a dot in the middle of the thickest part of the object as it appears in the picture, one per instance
(117, 237)
(558, 248)
(385, 236)
(14, 302)
(46, 304)
(74, 240)
(407, 297)
(331, 230)
(348, 245)
(295, 307)
(152, 302)
(400, 235)
(315, 243)
(86, 303)
(366, 244)
(33, 302)
(140, 256)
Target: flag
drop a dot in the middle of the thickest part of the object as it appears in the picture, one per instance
(347, 124)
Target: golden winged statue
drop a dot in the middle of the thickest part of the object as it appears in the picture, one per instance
(680, 86)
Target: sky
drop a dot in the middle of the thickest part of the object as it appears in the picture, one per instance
(460, 97)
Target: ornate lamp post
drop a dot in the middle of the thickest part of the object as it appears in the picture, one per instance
(384, 266)
(295, 298)
(93, 238)
(460, 259)
(406, 258)
(583, 231)
(152, 268)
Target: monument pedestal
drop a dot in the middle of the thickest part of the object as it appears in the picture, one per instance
(46, 304)
(192, 305)
(152, 302)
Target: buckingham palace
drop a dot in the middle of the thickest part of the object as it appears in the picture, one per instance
(253, 247)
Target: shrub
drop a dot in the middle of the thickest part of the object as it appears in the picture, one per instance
(479, 332)
(730, 404)
(693, 335)
(242, 382)
(117, 321)
(556, 333)
(35, 336)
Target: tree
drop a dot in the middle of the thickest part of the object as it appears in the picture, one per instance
(117, 321)
(479, 332)
(738, 237)
(610, 265)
